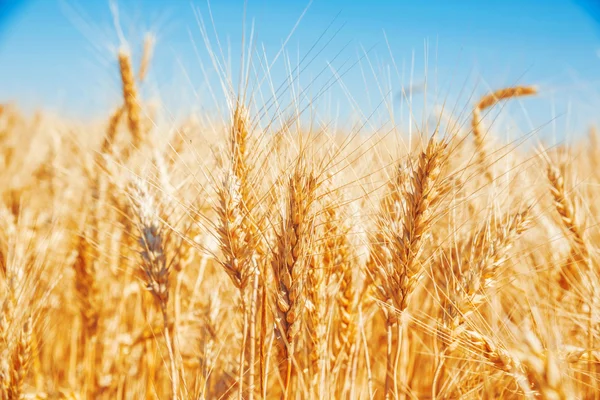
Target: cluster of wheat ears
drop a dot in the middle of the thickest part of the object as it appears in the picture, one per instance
(255, 261)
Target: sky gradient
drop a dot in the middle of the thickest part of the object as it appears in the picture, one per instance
(60, 54)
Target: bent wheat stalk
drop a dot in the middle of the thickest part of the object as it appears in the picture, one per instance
(485, 102)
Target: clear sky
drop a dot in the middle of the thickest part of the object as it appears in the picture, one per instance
(60, 54)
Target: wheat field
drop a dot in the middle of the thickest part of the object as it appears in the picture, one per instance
(240, 259)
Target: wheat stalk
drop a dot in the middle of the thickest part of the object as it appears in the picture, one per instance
(487, 101)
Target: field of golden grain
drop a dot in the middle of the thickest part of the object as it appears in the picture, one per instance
(244, 260)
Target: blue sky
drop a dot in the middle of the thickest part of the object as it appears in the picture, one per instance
(60, 54)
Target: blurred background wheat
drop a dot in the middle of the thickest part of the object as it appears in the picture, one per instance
(267, 247)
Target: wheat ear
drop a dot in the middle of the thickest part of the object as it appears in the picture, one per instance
(130, 97)
(20, 362)
(289, 262)
(87, 292)
(154, 263)
(565, 207)
(393, 265)
(147, 53)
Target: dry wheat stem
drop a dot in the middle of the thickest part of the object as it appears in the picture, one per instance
(485, 102)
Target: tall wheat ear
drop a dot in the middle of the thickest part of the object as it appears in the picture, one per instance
(394, 266)
(154, 262)
(289, 263)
